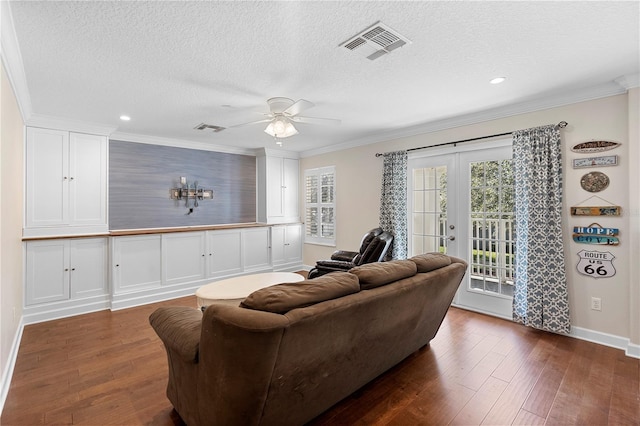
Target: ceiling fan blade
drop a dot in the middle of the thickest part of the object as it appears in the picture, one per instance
(266, 120)
(298, 107)
(314, 120)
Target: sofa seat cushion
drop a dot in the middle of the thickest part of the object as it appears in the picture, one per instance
(430, 261)
(281, 298)
(372, 275)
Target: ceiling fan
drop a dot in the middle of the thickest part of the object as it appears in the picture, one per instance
(284, 112)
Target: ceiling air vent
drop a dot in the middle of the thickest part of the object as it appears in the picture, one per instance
(203, 126)
(375, 41)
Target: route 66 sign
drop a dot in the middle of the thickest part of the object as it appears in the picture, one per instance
(596, 264)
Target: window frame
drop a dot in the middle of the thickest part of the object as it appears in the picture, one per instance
(318, 172)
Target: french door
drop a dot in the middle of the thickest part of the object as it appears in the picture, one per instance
(461, 203)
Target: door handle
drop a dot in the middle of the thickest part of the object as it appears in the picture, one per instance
(451, 238)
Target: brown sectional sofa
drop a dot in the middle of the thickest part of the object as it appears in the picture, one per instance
(291, 351)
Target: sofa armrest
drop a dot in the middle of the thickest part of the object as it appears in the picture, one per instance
(343, 255)
(179, 329)
(338, 265)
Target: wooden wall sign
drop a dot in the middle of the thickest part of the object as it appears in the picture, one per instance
(594, 146)
(596, 211)
(596, 235)
(604, 161)
(596, 264)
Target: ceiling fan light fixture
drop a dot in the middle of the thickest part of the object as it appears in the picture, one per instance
(281, 128)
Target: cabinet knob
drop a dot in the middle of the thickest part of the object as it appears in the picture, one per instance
(71, 178)
(66, 269)
(64, 178)
(118, 264)
(203, 255)
(73, 269)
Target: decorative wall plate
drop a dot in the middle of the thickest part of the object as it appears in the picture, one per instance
(594, 146)
(594, 181)
(604, 161)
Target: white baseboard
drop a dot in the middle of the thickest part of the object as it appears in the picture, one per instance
(630, 349)
(7, 373)
(623, 343)
(49, 313)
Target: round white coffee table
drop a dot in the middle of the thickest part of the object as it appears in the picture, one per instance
(233, 290)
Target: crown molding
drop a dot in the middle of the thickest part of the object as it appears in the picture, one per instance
(57, 123)
(629, 81)
(531, 105)
(12, 61)
(179, 143)
(274, 152)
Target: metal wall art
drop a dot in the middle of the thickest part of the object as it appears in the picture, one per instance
(604, 161)
(596, 264)
(594, 181)
(594, 146)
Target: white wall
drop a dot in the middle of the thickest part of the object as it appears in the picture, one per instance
(358, 179)
(11, 175)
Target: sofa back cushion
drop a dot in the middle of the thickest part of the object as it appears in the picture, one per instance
(372, 275)
(429, 261)
(281, 298)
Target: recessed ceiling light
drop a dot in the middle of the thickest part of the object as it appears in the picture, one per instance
(497, 80)
(125, 118)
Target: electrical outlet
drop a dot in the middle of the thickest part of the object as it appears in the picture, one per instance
(596, 304)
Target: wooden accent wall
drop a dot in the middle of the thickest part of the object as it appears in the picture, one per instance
(141, 175)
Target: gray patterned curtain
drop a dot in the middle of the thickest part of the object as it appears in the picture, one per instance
(393, 201)
(540, 299)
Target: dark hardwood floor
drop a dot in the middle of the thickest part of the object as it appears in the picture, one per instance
(110, 368)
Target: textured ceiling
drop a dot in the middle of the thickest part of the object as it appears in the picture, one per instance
(174, 65)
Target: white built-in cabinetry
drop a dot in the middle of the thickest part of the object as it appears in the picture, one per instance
(277, 175)
(66, 183)
(286, 245)
(74, 264)
(224, 252)
(174, 264)
(65, 276)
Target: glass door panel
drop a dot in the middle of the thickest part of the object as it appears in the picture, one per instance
(461, 204)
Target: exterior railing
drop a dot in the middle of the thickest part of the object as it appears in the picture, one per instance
(493, 248)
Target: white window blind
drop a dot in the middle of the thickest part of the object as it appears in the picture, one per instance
(320, 205)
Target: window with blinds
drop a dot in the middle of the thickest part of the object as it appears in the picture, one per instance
(320, 205)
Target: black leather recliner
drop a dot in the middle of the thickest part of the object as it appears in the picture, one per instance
(374, 247)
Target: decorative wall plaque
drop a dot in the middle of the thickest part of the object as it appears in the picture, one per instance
(594, 181)
(596, 234)
(596, 211)
(594, 146)
(609, 160)
(596, 264)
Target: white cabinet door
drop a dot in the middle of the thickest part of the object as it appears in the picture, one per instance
(66, 183)
(275, 187)
(136, 263)
(278, 236)
(183, 257)
(293, 243)
(47, 271)
(88, 266)
(224, 252)
(290, 188)
(65, 269)
(87, 179)
(47, 178)
(255, 243)
(286, 244)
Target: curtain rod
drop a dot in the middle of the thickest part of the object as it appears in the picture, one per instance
(561, 125)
